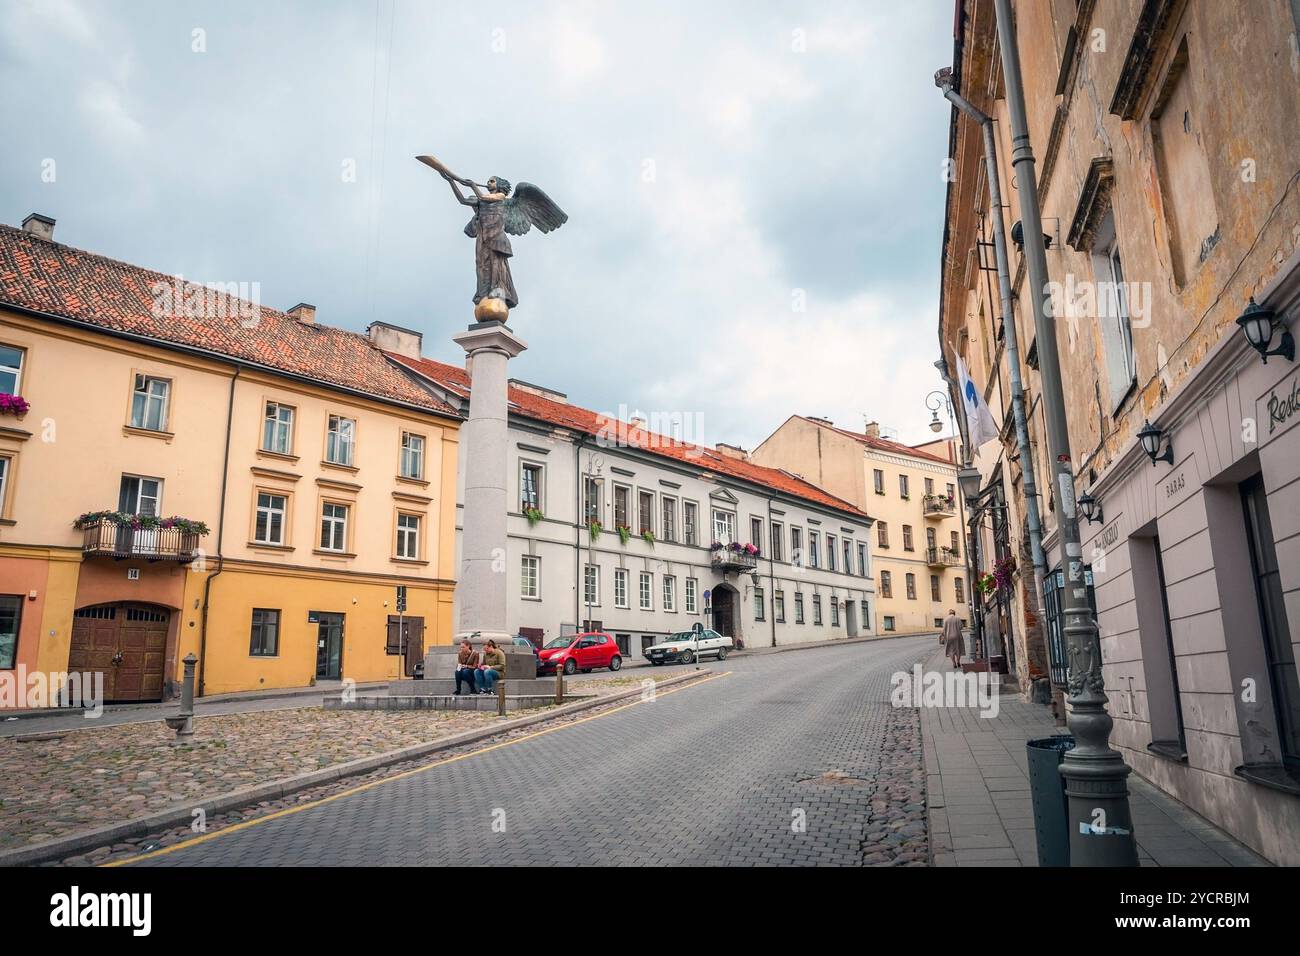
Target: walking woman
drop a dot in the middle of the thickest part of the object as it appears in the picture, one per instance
(954, 647)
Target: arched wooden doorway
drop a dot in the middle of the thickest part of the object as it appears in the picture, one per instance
(725, 604)
(127, 643)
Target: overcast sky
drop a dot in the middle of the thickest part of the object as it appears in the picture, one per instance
(724, 165)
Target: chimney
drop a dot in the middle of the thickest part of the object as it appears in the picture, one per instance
(872, 430)
(637, 419)
(304, 313)
(40, 226)
(732, 451)
(820, 420)
(394, 338)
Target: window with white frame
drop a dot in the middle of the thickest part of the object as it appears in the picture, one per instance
(904, 487)
(622, 507)
(760, 606)
(669, 517)
(835, 612)
(756, 531)
(778, 532)
(778, 606)
(830, 552)
(646, 591)
(412, 456)
(11, 370)
(848, 556)
(333, 527)
(590, 499)
(620, 587)
(817, 609)
(149, 403)
(269, 522)
(670, 593)
(862, 558)
(4, 480)
(798, 607)
(530, 487)
(277, 428)
(408, 536)
(692, 596)
(140, 495)
(530, 576)
(645, 512)
(813, 557)
(340, 440)
(691, 522)
(724, 526)
(796, 547)
(591, 584)
(1113, 313)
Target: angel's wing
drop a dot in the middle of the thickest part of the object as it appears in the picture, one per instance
(529, 206)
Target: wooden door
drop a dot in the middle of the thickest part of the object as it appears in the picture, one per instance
(127, 644)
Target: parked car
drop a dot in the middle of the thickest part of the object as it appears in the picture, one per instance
(522, 641)
(685, 646)
(579, 652)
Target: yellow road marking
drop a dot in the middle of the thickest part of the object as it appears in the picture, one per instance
(244, 825)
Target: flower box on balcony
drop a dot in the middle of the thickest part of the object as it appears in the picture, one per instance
(119, 535)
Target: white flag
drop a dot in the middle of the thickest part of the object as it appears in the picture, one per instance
(979, 420)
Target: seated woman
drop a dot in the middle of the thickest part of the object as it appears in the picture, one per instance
(492, 669)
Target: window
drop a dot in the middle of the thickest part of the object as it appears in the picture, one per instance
(812, 549)
(620, 587)
(669, 516)
(848, 556)
(956, 540)
(530, 487)
(622, 507)
(408, 536)
(333, 527)
(692, 600)
(277, 429)
(882, 534)
(760, 605)
(911, 586)
(935, 594)
(959, 588)
(265, 638)
(645, 510)
(4, 481)
(878, 478)
(778, 606)
(269, 524)
(670, 593)
(149, 403)
(886, 585)
(889, 622)
(903, 486)
(11, 615)
(413, 456)
(866, 614)
(830, 552)
(929, 486)
(952, 493)
(691, 521)
(591, 585)
(798, 607)
(907, 538)
(11, 370)
(646, 591)
(835, 612)
(590, 499)
(796, 546)
(1112, 313)
(340, 438)
(756, 532)
(724, 526)
(862, 558)
(530, 574)
(778, 532)
(138, 495)
(931, 538)
(817, 609)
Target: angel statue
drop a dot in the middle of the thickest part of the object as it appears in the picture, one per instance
(496, 213)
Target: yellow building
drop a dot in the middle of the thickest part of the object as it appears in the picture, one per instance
(311, 478)
(912, 495)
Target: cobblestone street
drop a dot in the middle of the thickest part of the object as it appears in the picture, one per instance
(787, 759)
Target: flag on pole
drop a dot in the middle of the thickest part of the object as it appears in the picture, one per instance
(979, 420)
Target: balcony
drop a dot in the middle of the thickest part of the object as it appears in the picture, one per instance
(106, 538)
(939, 506)
(734, 558)
(941, 558)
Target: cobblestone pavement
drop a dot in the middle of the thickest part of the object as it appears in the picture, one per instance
(788, 759)
(99, 775)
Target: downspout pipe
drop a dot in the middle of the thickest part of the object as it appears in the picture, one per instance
(221, 533)
(943, 79)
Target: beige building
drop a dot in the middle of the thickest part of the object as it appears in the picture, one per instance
(912, 495)
(1166, 134)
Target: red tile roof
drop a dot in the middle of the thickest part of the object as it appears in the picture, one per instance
(881, 444)
(55, 279)
(534, 406)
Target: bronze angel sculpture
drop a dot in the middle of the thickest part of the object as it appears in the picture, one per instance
(496, 214)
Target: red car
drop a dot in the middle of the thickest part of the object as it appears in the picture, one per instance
(579, 652)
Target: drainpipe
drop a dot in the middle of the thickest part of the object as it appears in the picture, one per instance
(943, 79)
(578, 586)
(771, 573)
(221, 531)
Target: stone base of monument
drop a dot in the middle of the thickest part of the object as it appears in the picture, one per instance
(440, 661)
(447, 685)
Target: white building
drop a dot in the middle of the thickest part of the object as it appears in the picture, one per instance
(811, 579)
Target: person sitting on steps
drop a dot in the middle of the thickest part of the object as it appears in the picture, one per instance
(492, 669)
(467, 662)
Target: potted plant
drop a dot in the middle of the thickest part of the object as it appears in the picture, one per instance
(14, 405)
(648, 537)
(593, 529)
(533, 515)
(624, 533)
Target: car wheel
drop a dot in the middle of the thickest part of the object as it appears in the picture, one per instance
(615, 662)
(687, 657)
(570, 666)
(722, 653)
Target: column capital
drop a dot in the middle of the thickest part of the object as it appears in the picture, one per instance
(493, 336)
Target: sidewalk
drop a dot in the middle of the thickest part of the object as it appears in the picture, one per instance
(979, 804)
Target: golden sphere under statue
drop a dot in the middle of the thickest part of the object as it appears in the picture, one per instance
(491, 310)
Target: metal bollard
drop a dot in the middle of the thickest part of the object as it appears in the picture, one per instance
(501, 697)
(559, 686)
(183, 723)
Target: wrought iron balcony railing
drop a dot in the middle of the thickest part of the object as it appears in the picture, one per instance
(941, 558)
(111, 539)
(728, 560)
(938, 506)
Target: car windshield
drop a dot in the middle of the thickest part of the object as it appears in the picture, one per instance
(681, 636)
(560, 642)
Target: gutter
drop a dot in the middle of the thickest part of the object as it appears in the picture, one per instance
(221, 533)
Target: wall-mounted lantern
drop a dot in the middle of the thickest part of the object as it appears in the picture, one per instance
(1150, 437)
(1259, 323)
(1090, 508)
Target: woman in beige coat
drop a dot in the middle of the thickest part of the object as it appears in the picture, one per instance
(954, 647)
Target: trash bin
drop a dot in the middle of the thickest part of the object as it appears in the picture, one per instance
(1047, 790)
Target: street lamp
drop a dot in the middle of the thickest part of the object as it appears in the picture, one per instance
(935, 401)
(968, 480)
(1150, 437)
(1090, 508)
(1259, 323)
